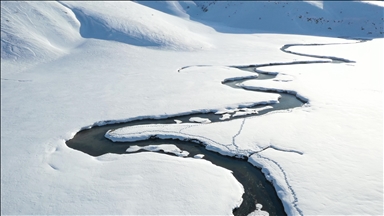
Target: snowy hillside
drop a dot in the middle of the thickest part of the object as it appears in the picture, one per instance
(68, 66)
(37, 29)
(104, 21)
(319, 18)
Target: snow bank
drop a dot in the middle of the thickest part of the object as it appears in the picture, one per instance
(168, 131)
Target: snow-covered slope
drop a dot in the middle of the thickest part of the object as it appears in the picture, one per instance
(319, 18)
(104, 21)
(37, 30)
(65, 66)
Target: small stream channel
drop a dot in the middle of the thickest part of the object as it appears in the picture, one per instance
(257, 189)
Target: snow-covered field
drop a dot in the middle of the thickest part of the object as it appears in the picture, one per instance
(66, 66)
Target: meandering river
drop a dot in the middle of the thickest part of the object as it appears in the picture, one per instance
(257, 189)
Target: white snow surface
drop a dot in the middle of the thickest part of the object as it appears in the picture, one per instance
(168, 148)
(225, 116)
(248, 111)
(258, 211)
(178, 121)
(68, 66)
(200, 120)
(198, 156)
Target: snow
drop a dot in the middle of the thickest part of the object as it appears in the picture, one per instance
(200, 120)
(178, 121)
(226, 111)
(134, 148)
(66, 66)
(318, 4)
(283, 78)
(168, 148)
(29, 42)
(225, 116)
(198, 156)
(258, 211)
(250, 111)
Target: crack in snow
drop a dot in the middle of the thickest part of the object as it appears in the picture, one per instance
(280, 149)
(237, 134)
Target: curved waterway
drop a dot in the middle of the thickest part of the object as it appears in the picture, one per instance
(93, 142)
(256, 188)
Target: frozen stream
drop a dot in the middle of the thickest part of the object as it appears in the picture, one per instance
(93, 142)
